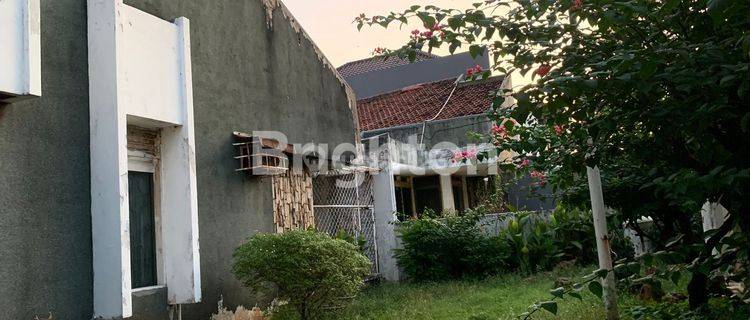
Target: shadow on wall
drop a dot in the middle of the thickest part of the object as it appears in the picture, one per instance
(2, 110)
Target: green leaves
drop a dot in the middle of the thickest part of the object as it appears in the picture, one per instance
(660, 87)
(550, 306)
(559, 292)
(476, 50)
(596, 288)
(428, 20)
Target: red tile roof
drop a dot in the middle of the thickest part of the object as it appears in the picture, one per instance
(378, 63)
(422, 102)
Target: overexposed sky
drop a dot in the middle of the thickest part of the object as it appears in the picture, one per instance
(329, 23)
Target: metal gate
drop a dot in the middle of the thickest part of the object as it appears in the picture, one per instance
(343, 201)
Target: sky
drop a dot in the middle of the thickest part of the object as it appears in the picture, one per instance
(329, 24)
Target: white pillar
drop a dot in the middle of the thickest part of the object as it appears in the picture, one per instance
(385, 217)
(602, 241)
(110, 222)
(179, 212)
(446, 193)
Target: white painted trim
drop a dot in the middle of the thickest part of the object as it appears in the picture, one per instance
(33, 48)
(180, 204)
(139, 164)
(110, 221)
(20, 35)
(116, 97)
(145, 289)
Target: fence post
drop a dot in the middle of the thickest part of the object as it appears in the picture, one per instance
(602, 242)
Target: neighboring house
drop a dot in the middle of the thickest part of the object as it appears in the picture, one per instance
(422, 113)
(119, 195)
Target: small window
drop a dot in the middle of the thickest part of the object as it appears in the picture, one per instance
(142, 229)
(143, 156)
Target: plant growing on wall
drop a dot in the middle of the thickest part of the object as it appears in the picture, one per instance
(314, 273)
(655, 93)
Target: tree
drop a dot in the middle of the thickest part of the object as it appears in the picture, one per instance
(654, 92)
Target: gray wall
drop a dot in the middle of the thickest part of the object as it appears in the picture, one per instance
(370, 84)
(245, 78)
(45, 220)
(451, 130)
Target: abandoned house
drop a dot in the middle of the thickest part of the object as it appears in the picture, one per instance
(421, 112)
(123, 189)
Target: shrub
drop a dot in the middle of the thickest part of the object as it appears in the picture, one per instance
(449, 248)
(455, 246)
(314, 273)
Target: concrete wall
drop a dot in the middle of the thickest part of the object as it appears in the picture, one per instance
(245, 77)
(451, 130)
(45, 220)
(381, 81)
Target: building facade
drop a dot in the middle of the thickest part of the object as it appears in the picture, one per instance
(119, 195)
(425, 113)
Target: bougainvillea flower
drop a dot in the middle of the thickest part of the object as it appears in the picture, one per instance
(524, 163)
(543, 70)
(559, 129)
(499, 130)
(474, 70)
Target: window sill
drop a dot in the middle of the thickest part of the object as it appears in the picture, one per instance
(145, 291)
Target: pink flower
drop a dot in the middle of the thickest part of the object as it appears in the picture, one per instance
(542, 179)
(499, 130)
(474, 70)
(559, 130)
(457, 156)
(415, 32)
(524, 163)
(543, 70)
(379, 50)
(470, 154)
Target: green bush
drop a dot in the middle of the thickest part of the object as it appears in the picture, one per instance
(311, 271)
(452, 247)
(455, 247)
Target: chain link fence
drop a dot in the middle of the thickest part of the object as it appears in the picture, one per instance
(344, 202)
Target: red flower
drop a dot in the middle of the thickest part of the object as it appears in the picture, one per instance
(524, 163)
(475, 70)
(559, 130)
(542, 179)
(577, 4)
(543, 70)
(379, 50)
(427, 34)
(500, 130)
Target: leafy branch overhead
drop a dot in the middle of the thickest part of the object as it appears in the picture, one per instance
(655, 93)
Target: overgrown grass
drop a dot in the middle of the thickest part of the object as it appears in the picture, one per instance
(503, 297)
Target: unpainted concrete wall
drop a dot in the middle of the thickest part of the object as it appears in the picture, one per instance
(450, 130)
